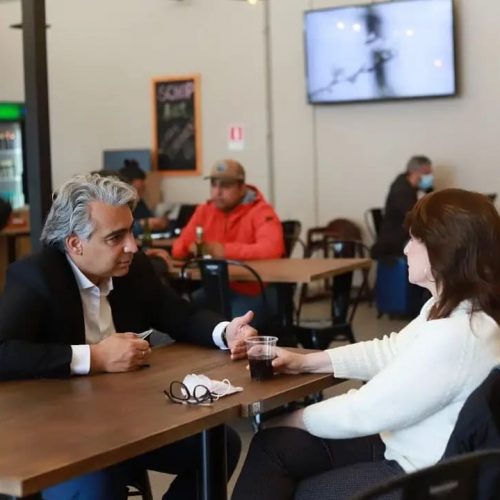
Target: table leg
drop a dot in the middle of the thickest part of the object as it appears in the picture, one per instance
(287, 337)
(11, 249)
(212, 482)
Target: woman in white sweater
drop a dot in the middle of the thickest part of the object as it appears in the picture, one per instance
(416, 380)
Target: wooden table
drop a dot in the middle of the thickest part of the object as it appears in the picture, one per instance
(289, 270)
(53, 430)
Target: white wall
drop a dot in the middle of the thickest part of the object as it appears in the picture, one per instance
(102, 56)
(361, 147)
(329, 161)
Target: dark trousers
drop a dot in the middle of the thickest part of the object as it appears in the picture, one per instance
(285, 463)
(180, 458)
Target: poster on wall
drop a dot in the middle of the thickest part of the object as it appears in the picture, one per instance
(176, 125)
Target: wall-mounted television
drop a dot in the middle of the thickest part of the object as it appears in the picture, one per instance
(388, 50)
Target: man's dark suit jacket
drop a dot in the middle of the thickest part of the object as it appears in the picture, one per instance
(41, 313)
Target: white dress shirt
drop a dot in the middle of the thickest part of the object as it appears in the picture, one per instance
(99, 319)
(96, 315)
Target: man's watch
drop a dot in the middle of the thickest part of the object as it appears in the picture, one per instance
(224, 337)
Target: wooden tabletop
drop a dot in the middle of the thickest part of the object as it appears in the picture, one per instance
(53, 430)
(290, 270)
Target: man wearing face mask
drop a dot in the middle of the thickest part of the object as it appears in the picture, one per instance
(403, 194)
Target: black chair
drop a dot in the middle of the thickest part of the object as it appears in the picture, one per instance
(373, 221)
(215, 282)
(291, 233)
(319, 333)
(458, 478)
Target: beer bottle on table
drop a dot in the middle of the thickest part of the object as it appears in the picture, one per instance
(199, 242)
(147, 240)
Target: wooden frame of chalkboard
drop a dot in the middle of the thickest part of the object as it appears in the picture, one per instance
(177, 124)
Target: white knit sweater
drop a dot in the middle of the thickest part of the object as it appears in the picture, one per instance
(418, 380)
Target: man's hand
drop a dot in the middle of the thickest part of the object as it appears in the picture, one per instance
(214, 248)
(236, 333)
(120, 352)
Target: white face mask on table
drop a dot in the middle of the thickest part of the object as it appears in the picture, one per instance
(218, 388)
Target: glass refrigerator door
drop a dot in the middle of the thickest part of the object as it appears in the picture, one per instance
(11, 163)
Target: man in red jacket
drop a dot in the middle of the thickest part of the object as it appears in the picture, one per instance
(238, 223)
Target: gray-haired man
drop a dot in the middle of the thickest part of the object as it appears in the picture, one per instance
(73, 307)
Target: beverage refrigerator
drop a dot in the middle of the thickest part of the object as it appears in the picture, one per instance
(12, 154)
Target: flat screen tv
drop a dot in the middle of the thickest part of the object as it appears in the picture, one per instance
(389, 50)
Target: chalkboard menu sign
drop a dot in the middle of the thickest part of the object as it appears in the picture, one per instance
(176, 125)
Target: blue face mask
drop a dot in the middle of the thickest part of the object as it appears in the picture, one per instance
(426, 182)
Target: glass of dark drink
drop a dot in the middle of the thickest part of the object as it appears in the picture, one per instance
(260, 352)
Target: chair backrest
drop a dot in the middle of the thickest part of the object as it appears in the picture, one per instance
(342, 284)
(215, 282)
(342, 229)
(291, 233)
(455, 479)
(478, 423)
(373, 221)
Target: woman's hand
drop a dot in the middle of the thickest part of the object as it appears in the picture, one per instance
(293, 362)
(288, 361)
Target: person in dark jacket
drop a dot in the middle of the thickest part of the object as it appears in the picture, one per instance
(143, 216)
(402, 196)
(74, 308)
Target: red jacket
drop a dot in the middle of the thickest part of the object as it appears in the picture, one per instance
(250, 231)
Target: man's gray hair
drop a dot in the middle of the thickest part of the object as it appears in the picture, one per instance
(416, 163)
(70, 212)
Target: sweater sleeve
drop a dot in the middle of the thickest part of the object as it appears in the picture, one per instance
(269, 241)
(414, 385)
(363, 360)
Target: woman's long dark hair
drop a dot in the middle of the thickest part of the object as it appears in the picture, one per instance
(461, 231)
